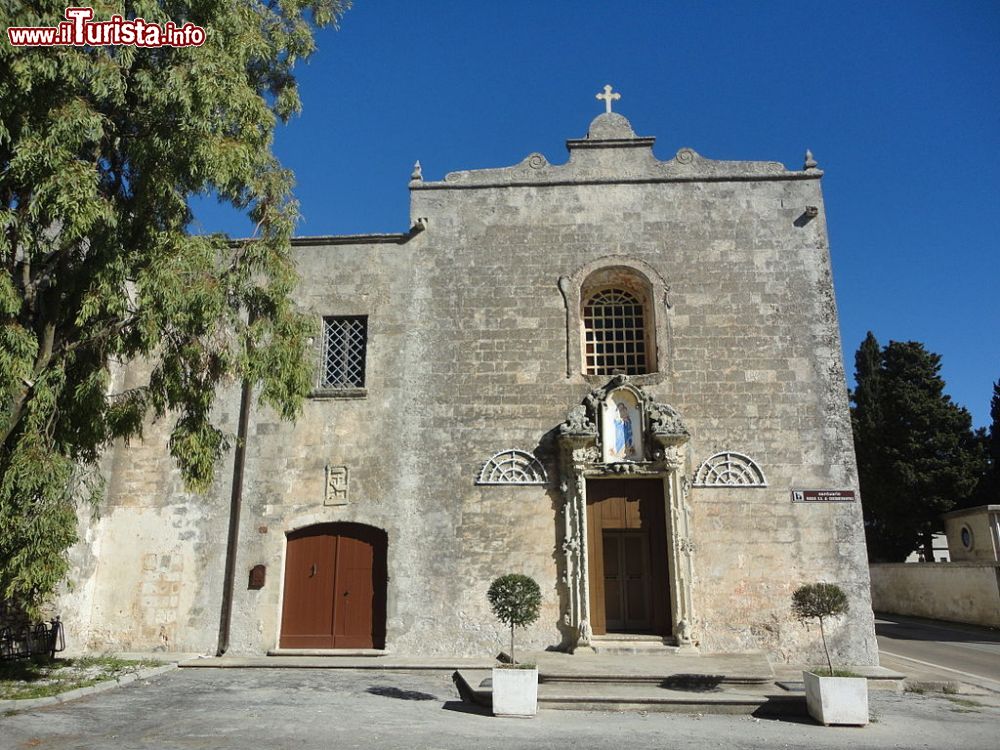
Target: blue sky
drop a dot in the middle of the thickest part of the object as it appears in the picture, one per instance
(898, 100)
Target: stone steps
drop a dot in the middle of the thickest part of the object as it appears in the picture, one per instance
(771, 701)
(665, 679)
(694, 694)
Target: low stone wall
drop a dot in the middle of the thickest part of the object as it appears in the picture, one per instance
(956, 591)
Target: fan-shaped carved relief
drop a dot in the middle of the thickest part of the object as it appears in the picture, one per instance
(729, 469)
(513, 466)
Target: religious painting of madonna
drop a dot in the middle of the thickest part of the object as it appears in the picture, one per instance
(621, 427)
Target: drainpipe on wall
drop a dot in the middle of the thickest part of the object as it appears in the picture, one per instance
(235, 506)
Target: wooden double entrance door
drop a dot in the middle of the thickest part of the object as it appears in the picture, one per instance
(335, 583)
(627, 556)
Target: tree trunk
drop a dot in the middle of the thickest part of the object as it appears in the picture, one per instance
(822, 633)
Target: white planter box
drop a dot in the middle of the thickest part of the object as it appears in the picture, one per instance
(837, 700)
(515, 692)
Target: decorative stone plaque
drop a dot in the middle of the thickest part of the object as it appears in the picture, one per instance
(337, 478)
(822, 496)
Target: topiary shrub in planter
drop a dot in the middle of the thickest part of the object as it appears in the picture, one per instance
(515, 600)
(829, 699)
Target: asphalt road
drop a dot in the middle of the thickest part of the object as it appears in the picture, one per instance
(320, 709)
(947, 650)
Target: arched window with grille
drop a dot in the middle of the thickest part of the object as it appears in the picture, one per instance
(617, 320)
(615, 332)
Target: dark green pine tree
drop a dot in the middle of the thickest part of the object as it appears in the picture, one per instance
(917, 455)
(993, 446)
(988, 490)
(866, 415)
(868, 421)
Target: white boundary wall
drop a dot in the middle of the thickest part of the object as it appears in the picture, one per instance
(957, 591)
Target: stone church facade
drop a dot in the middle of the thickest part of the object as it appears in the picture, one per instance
(618, 375)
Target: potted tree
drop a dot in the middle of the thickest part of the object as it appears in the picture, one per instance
(830, 699)
(515, 600)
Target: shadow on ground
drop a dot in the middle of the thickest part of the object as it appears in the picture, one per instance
(400, 694)
(694, 683)
(461, 707)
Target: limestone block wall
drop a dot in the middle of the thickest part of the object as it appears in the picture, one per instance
(147, 571)
(956, 591)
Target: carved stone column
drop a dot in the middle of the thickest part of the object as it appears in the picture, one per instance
(672, 439)
(680, 547)
(578, 447)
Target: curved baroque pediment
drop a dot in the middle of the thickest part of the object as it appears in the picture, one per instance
(623, 422)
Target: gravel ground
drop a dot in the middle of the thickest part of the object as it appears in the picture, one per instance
(247, 709)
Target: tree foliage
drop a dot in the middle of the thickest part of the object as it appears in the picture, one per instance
(101, 149)
(917, 454)
(819, 601)
(988, 489)
(516, 600)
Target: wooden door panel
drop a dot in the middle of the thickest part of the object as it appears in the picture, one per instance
(595, 569)
(354, 594)
(613, 513)
(614, 606)
(626, 581)
(307, 613)
(635, 561)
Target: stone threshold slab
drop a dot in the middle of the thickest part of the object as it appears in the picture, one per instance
(327, 652)
(338, 662)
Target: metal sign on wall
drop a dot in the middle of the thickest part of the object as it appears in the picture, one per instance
(823, 496)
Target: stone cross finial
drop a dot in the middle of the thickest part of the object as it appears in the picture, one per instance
(608, 97)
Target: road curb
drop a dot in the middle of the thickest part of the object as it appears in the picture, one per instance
(946, 687)
(28, 704)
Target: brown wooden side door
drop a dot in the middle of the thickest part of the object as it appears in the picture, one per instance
(335, 581)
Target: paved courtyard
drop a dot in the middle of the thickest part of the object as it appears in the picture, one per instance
(303, 709)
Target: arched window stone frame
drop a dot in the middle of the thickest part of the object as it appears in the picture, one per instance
(636, 276)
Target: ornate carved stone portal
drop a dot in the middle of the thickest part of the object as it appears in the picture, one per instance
(619, 430)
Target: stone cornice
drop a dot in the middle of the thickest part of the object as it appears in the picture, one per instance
(353, 239)
(394, 238)
(612, 154)
(686, 166)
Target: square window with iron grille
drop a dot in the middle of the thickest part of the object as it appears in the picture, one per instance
(345, 343)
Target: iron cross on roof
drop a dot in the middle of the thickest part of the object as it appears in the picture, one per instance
(608, 97)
